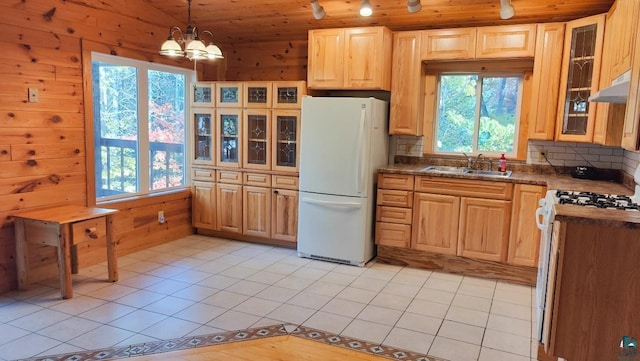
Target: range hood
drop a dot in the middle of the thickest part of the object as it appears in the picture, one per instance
(616, 93)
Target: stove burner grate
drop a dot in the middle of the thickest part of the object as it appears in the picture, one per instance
(598, 200)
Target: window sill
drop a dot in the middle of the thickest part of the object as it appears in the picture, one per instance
(141, 200)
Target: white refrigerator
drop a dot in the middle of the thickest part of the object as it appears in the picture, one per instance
(343, 142)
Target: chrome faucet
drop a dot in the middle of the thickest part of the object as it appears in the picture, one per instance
(472, 163)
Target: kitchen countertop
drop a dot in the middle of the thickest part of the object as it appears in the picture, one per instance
(564, 213)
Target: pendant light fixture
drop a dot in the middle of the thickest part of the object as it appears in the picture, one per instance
(194, 48)
(365, 8)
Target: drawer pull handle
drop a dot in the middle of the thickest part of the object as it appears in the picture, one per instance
(91, 232)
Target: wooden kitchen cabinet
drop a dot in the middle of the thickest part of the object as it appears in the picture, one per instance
(284, 214)
(524, 236)
(435, 223)
(288, 94)
(405, 115)
(202, 94)
(285, 143)
(229, 212)
(204, 130)
(630, 139)
(547, 67)
(256, 211)
(580, 78)
(256, 139)
(204, 205)
(623, 21)
(484, 228)
(257, 94)
(350, 58)
(394, 210)
(229, 94)
(506, 41)
(228, 135)
(448, 44)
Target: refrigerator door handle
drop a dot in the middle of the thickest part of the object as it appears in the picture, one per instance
(359, 150)
(342, 205)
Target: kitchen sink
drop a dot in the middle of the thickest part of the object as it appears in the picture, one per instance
(464, 170)
(446, 169)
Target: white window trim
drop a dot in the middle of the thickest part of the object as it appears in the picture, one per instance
(143, 127)
(518, 118)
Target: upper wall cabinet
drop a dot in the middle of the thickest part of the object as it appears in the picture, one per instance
(623, 22)
(508, 41)
(449, 44)
(580, 76)
(350, 58)
(546, 81)
(406, 94)
(630, 139)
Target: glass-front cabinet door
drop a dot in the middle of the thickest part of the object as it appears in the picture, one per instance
(204, 134)
(288, 94)
(229, 94)
(257, 94)
(228, 151)
(285, 148)
(203, 94)
(256, 137)
(580, 78)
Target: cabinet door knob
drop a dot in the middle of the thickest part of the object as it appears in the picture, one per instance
(275, 191)
(91, 232)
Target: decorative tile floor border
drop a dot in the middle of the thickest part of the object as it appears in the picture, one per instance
(189, 342)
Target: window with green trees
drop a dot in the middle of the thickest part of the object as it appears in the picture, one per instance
(139, 111)
(478, 113)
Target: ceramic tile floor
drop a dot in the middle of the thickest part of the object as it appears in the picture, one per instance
(200, 285)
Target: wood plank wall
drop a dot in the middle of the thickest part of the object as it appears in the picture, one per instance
(42, 145)
(274, 60)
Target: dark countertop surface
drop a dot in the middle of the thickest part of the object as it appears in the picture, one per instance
(564, 213)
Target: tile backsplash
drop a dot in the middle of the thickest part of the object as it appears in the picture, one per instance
(558, 153)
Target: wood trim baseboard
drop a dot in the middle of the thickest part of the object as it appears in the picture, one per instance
(458, 265)
(245, 238)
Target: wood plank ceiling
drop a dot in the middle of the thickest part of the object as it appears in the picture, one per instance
(246, 21)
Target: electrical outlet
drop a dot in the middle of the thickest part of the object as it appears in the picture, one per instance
(160, 216)
(542, 156)
(33, 95)
(408, 149)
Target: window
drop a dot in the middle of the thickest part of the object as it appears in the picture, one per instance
(139, 123)
(478, 113)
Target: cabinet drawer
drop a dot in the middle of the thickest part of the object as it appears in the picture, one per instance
(284, 181)
(257, 179)
(393, 214)
(463, 187)
(394, 198)
(204, 174)
(395, 181)
(229, 176)
(88, 230)
(392, 234)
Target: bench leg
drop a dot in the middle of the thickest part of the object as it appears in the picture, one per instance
(64, 260)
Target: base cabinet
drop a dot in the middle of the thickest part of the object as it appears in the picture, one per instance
(433, 212)
(229, 212)
(524, 237)
(203, 204)
(484, 228)
(256, 214)
(284, 215)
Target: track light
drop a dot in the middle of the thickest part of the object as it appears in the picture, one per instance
(365, 8)
(414, 6)
(318, 10)
(506, 10)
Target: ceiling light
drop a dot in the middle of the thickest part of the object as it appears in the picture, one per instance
(414, 6)
(318, 11)
(365, 8)
(506, 10)
(194, 48)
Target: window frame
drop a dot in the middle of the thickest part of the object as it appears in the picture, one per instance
(518, 114)
(143, 158)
